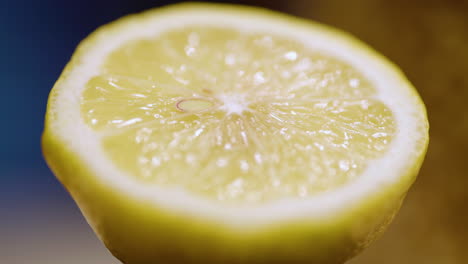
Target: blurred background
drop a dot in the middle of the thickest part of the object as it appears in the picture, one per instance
(40, 224)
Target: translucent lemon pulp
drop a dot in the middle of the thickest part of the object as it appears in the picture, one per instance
(236, 117)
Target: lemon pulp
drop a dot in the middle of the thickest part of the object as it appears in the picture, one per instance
(236, 117)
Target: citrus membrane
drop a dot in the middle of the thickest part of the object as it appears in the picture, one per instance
(210, 133)
(253, 117)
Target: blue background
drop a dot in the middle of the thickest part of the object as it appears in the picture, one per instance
(38, 40)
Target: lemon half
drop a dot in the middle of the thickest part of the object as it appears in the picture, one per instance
(207, 133)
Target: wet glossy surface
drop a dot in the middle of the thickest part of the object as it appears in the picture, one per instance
(236, 116)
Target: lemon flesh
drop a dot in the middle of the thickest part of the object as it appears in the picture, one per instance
(201, 133)
(253, 117)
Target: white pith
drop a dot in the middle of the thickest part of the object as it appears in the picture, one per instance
(380, 174)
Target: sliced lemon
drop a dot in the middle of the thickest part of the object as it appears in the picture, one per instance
(202, 133)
